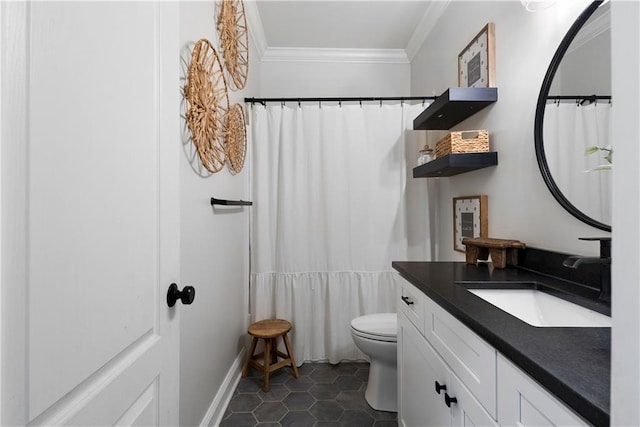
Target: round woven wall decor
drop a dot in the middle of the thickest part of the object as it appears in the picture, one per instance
(236, 138)
(234, 40)
(207, 105)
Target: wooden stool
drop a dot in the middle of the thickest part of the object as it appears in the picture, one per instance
(503, 251)
(269, 330)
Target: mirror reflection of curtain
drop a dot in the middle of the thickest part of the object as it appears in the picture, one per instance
(333, 203)
(569, 129)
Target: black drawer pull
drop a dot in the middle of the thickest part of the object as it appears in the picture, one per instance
(449, 400)
(440, 387)
(407, 300)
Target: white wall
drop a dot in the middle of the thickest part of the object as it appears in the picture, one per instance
(520, 205)
(625, 335)
(333, 79)
(214, 254)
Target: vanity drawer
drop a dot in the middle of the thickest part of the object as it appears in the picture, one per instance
(410, 302)
(469, 356)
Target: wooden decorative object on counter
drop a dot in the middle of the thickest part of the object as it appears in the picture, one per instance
(234, 40)
(503, 251)
(236, 138)
(207, 104)
(470, 141)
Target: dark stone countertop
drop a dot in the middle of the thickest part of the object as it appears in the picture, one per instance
(572, 363)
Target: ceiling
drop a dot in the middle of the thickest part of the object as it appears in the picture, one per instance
(356, 25)
(340, 24)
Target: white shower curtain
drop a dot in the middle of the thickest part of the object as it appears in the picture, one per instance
(569, 129)
(332, 209)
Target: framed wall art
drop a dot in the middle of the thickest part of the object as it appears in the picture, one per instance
(476, 62)
(469, 219)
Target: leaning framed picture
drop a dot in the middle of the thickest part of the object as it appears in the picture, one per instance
(469, 219)
(477, 62)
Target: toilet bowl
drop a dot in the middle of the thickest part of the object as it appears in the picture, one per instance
(376, 336)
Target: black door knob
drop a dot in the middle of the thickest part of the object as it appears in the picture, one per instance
(440, 387)
(186, 295)
(449, 400)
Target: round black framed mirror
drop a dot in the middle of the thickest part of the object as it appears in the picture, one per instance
(562, 193)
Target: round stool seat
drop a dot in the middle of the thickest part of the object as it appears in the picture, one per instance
(269, 328)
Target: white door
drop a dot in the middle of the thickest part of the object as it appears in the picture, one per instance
(90, 212)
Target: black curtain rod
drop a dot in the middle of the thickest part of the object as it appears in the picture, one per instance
(559, 97)
(341, 99)
(583, 98)
(579, 97)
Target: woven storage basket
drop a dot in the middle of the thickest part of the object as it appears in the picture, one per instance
(470, 141)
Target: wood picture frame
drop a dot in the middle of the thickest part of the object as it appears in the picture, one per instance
(477, 62)
(469, 219)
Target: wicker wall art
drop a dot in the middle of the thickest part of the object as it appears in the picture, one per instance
(236, 138)
(234, 40)
(207, 105)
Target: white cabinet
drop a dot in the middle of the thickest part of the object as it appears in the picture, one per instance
(429, 392)
(467, 411)
(468, 355)
(483, 387)
(523, 402)
(418, 370)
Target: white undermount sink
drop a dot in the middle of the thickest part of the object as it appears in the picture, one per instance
(538, 308)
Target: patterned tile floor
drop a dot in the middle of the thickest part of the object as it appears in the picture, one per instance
(324, 395)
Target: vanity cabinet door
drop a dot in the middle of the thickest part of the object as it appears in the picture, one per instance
(523, 402)
(471, 358)
(467, 411)
(419, 367)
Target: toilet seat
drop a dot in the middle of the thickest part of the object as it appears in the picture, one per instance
(378, 327)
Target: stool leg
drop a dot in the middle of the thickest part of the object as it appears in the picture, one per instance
(267, 357)
(245, 370)
(274, 350)
(287, 344)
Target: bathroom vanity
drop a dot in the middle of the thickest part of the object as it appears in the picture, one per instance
(462, 360)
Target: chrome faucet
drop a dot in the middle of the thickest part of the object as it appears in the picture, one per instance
(604, 259)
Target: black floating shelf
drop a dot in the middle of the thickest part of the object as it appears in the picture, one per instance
(225, 202)
(453, 106)
(453, 164)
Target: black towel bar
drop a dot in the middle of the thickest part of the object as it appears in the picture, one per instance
(215, 201)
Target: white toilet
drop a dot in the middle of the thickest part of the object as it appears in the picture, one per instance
(376, 336)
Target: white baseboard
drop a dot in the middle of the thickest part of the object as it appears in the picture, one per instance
(218, 406)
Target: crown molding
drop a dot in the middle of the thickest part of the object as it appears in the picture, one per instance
(345, 55)
(425, 26)
(294, 54)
